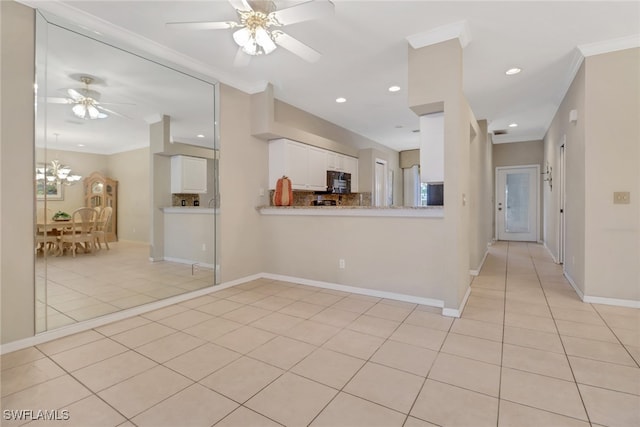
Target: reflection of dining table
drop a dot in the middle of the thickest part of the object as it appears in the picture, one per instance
(56, 228)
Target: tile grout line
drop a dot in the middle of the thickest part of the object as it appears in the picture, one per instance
(504, 318)
(584, 406)
(617, 338)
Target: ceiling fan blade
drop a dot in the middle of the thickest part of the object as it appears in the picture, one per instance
(60, 101)
(294, 46)
(240, 4)
(241, 59)
(303, 12)
(222, 25)
(75, 95)
(115, 113)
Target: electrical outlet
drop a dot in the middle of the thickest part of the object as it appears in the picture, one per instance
(261, 192)
(341, 264)
(204, 247)
(621, 198)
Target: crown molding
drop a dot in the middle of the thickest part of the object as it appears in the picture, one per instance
(456, 30)
(100, 28)
(611, 45)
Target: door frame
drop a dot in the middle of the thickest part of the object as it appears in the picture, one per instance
(537, 191)
(563, 199)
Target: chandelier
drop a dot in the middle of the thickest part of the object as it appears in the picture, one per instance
(54, 172)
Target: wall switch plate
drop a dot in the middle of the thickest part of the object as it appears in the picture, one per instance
(621, 197)
(341, 264)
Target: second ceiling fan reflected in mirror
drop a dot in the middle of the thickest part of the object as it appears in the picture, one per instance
(85, 101)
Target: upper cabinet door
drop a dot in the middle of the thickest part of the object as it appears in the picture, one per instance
(351, 166)
(188, 175)
(317, 179)
(297, 158)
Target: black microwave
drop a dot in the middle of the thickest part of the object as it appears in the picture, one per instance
(338, 182)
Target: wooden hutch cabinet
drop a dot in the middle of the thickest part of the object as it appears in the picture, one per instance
(100, 192)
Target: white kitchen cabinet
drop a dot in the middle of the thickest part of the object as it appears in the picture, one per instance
(317, 171)
(335, 162)
(351, 166)
(306, 165)
(188, 175)
(303, 164)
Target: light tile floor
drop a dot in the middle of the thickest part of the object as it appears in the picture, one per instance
(105, 281)
(526, 352)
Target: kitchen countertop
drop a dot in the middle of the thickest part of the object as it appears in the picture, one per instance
(189, 210)
(390, 211)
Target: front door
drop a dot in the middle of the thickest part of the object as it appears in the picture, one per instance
(517, 203)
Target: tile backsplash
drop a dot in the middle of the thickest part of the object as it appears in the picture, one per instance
(189, 199)
(306, 198)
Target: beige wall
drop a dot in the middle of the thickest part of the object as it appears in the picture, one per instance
(524, 153)
(481, 197)
(602, 154)
(433, 89)
(131, 169)
(612, 147)
(401, 255)
(573, 136)
(243, 172)
(519, 153)
(16, 171)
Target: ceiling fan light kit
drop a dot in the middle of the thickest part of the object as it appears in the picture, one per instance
(256, 36)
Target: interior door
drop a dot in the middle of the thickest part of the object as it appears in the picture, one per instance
(380, 184)
(517, 203)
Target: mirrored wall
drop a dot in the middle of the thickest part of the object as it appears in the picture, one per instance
(98, 111)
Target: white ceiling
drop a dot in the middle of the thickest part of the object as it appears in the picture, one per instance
(364, 46)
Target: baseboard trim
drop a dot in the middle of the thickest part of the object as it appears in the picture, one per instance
(189, 262)
(612, 301)
(356, 290)
(573, 284)
(553, 257)
(115, 317)
(453, 312)
(484, 258)
(601, 300)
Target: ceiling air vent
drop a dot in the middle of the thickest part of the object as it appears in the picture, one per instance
(500, 132)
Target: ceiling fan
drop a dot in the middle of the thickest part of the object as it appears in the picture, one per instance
(258, 32)
(86, 102)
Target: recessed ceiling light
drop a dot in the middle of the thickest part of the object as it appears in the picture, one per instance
(398, 126)
(80, 145)
(394, 88)
(200, 136)
(512, 71)
(513, 125)
(341, 100)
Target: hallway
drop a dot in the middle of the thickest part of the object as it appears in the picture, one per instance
(526, 352)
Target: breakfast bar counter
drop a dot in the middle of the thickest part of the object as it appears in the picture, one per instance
(355, 211)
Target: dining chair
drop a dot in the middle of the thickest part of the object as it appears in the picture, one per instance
(104, 218)
(45, 239)
(80, 231)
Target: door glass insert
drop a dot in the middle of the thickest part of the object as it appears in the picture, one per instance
(517, 202)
